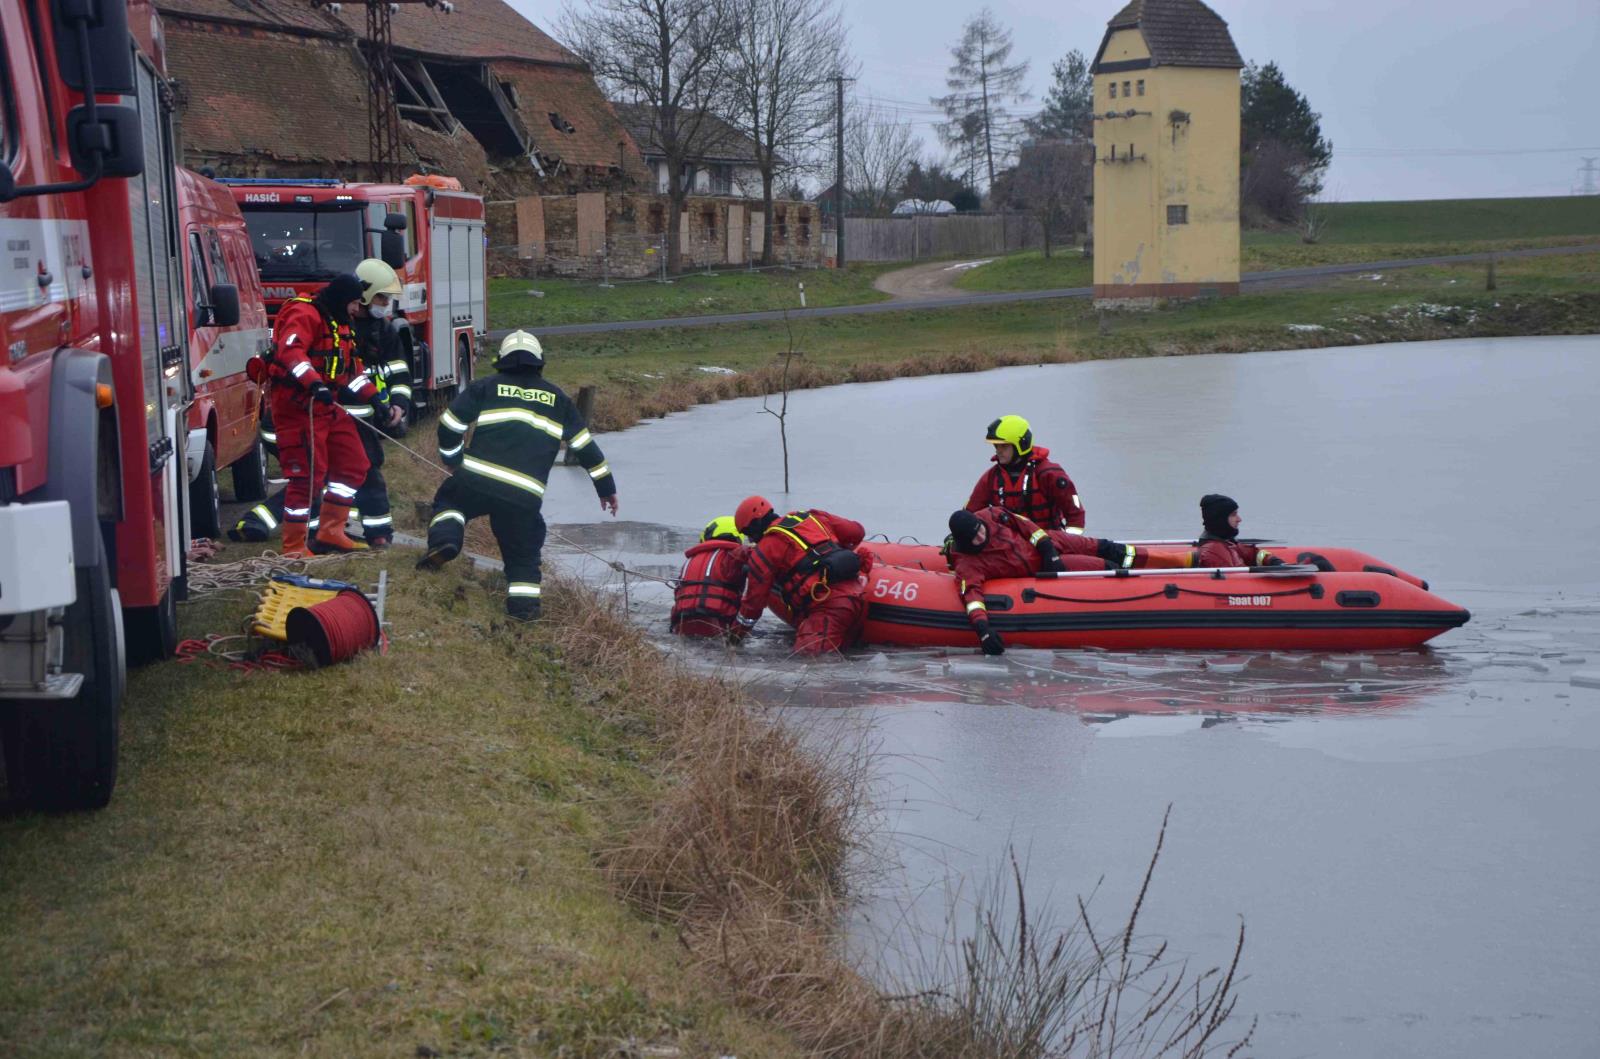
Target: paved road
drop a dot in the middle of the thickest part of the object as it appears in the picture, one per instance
(1263, 280)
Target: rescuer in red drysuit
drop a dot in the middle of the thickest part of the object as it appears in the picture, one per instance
(711, 585)
(1219, 546)
(994, 543)
(1024, 480)
(808, 561)
(313, 360)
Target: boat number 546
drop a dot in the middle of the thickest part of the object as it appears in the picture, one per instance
(906, 590)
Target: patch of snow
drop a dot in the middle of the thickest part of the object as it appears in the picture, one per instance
(1375, 276)
(1305, 327)
(712, 369)
(964, 265)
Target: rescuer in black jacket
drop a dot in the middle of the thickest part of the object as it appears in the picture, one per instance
(518, 421)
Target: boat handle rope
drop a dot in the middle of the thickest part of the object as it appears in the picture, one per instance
(1172, 591)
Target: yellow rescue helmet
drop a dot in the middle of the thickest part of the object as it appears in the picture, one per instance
(520, 349)
(721, 528)
(1013, 431)
(377, 278)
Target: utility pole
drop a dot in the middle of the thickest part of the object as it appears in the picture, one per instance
(838, 171)
(1589, 172)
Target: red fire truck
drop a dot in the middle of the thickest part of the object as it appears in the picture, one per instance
(94, 384)
(432, 233)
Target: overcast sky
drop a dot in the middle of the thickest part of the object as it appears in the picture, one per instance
(1429, 99)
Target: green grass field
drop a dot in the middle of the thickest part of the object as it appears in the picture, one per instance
(572, 301)
(374, 859)
(1356, 231)
(633, 370)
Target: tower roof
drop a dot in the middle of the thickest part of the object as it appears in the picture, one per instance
(1177, 32)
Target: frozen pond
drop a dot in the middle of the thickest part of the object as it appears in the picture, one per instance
(1411, 838)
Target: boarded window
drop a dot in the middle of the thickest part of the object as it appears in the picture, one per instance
(658, 219)
(1177, 214)
(711, 223)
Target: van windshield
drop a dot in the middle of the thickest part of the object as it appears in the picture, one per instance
(306, 244)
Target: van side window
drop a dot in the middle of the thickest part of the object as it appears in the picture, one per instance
(219, 264)
(7, 122)
(201, 295)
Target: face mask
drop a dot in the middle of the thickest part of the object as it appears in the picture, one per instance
(380, 312)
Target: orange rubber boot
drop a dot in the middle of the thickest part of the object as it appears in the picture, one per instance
(294, 540)
(331, 535)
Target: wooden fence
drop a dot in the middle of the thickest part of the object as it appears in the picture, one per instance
(911, 238)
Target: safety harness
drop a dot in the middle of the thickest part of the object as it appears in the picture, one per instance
(825, 561)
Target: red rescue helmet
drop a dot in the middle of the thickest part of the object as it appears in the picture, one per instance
(752, 509)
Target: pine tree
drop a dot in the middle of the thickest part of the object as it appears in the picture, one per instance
(1069, 103)
(1273, 111)
(982, 84)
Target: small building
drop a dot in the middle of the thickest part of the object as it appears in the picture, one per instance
(1166, 149)
(724, 165)
(923, 208)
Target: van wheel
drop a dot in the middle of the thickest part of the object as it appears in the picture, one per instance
(205, 509)
(250, 473)
(59, 754)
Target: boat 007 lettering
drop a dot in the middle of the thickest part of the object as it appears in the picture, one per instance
(1244, 601)
(903, 590)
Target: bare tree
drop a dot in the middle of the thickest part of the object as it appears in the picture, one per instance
(780, 79)
(669, 55)
(982, 83)
(1050, 181)
(879, 150)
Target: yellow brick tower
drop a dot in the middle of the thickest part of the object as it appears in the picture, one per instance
(1166, 138)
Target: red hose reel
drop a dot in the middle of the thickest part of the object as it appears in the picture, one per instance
(337, 629)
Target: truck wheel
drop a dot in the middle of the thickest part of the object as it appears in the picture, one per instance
(463, 364)
(205, 510)
(62, 754)
(250, 474)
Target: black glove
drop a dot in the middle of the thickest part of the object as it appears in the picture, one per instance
(1049, 560)
(1273, 560)
(321, 393)
(990, 641)
(1320, 562)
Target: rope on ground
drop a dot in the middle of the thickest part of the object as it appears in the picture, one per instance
(247, 575)
(614, 564)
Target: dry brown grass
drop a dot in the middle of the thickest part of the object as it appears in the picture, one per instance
(622, 406)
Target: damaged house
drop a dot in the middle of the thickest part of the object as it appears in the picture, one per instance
(278, 88)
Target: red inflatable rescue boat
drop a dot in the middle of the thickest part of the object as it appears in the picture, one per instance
(913, 601)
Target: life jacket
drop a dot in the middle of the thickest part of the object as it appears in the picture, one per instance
(823, 561)
(334, 354)
(1024, 494)
(704, 595)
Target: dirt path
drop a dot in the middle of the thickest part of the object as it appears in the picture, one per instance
(937, 279)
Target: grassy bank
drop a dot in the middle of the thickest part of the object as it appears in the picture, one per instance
(645, 374)
(571, 301)
(376, 859)
(1355, 231)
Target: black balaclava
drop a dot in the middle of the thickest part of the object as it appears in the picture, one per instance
(1214, 511)
(335, 298)
(964, 530)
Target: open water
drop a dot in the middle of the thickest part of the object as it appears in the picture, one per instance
(1412, 839)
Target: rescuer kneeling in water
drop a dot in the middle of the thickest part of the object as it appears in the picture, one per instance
(1025, 481)
(711, 584)
(807, 560)
(994, 543)
(518, 421)
(1219, 544)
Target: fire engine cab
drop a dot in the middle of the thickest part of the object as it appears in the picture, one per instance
(428, 229)
(94, 385)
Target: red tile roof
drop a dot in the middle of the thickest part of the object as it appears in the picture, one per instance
(573, 96)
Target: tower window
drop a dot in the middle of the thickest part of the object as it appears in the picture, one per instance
(1177, 214)
(1141, 88)
(1113, 90)
(1127, 88)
